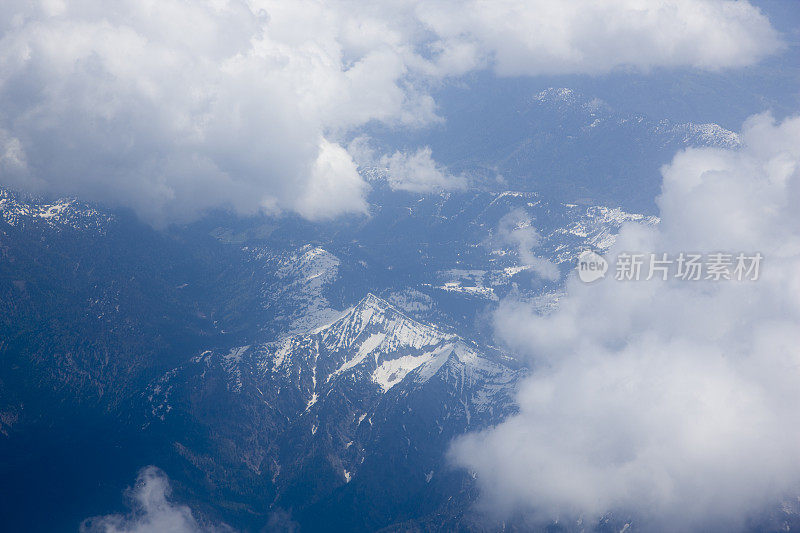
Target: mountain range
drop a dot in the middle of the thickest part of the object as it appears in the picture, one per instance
(294, 374)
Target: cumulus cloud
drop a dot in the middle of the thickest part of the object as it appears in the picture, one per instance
(516, 229)
(418, 172)
(415, 171)
(590, 36)
(152, 512)
(174, 107)
(672, 400)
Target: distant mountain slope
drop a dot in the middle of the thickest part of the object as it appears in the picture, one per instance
(557, 141)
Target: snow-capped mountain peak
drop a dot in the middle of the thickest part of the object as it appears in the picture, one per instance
(374, 316)
(372, 339)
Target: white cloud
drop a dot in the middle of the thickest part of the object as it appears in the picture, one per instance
(333, 176)
(173, 107)
(676, 401)
(151, 512)
(591, 36)
(516, 229)
(418, 172)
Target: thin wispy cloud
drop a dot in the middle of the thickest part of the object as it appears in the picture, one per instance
(516, 229)
(152, 511)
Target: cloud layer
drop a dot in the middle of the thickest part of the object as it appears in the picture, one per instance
(675, 401)
(174, 107)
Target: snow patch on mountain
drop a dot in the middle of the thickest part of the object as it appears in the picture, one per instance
(704, 134)
(375, 314)
(377, 342)
(598, 226)
(553, 95)
(16, 210)
(595, 112)
(231, 363)
(393, 371)
(371, 344)
(296, 291)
